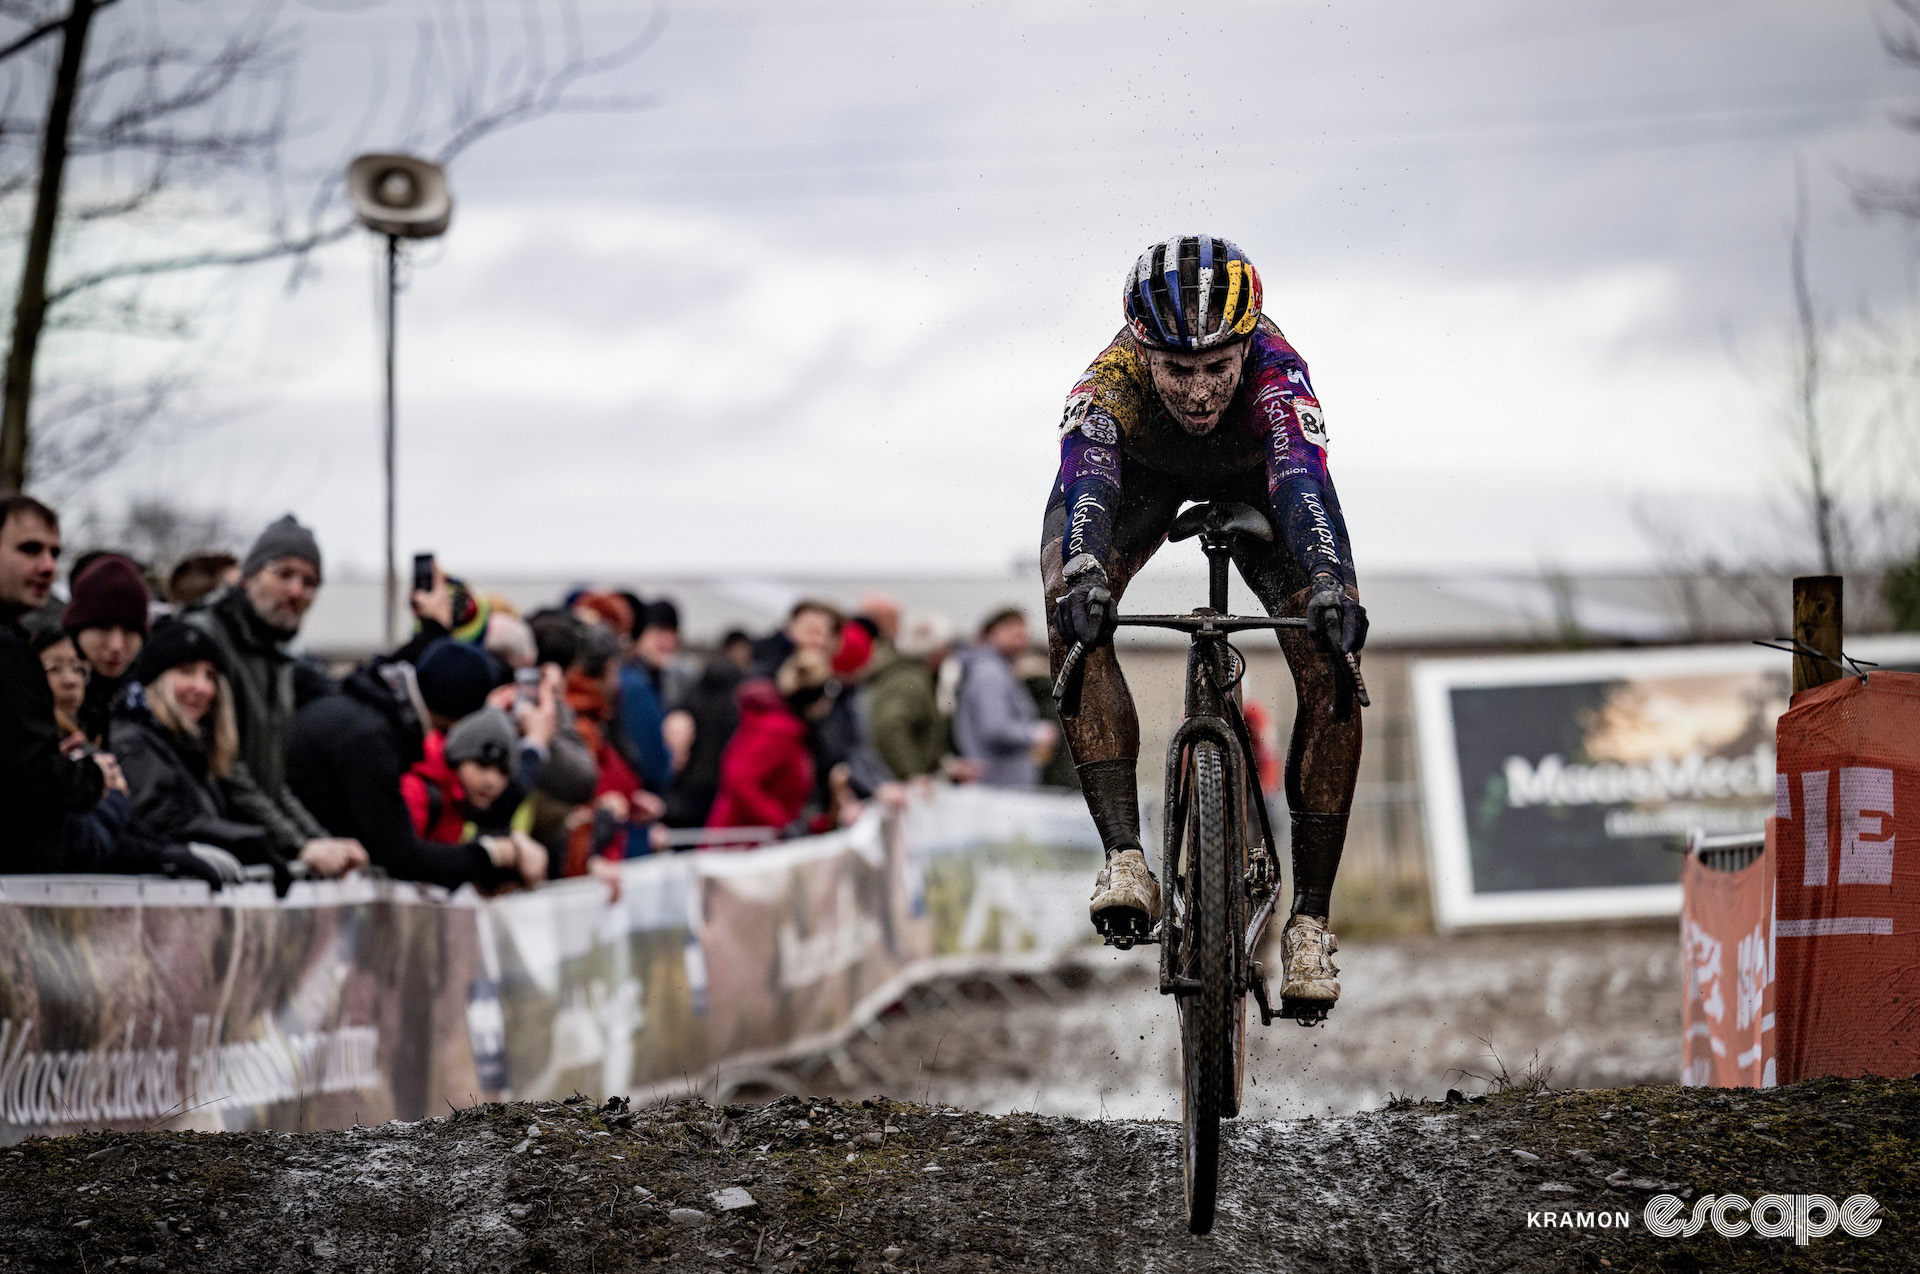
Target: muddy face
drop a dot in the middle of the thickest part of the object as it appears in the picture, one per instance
(1196, 388)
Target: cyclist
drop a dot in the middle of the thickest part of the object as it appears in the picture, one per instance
(1200, 397)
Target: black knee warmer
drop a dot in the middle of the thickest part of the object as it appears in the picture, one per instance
(1113, 797)
(1317, 841)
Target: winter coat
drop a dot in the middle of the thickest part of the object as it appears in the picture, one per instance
(592, 715)
(39, 785)
(569, 772)
(639, 717)
(770, 652)
(766, 771)
(435, 800)
(715, 715)
(175, 799)
(844, 737)
(995, 721)
(345, 761)
(269, 687)
(95, 717)
(908, 731)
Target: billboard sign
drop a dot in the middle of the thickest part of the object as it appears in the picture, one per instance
(1562, 787)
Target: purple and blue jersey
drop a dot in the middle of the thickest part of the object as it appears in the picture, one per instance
(1274, 420)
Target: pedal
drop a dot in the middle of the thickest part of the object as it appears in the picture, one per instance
(1305, 1012)
(1123, 927)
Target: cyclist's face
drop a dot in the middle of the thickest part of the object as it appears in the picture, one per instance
(1197, 387)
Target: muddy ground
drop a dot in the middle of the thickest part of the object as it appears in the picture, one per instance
(1593, 1008)
(879, 1185)
(1332, 1167)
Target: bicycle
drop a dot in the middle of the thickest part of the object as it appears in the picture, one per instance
(1222, 884)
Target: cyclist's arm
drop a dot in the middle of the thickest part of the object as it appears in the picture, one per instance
(1090, 466)
(1090, 476)
(1299, 485)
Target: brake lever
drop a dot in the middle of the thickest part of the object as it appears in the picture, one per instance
(1359, 682)
(1066, 687)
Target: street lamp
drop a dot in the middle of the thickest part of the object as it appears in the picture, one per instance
(402, 198)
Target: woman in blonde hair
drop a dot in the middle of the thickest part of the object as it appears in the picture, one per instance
(174, 735)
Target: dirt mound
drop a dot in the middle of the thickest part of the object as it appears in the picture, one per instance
(877, 1185)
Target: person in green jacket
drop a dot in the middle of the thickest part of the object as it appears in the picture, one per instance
(909, 732)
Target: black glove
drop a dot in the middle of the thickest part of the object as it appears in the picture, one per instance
(182, 863)
(1337, 621)
(1086, 613)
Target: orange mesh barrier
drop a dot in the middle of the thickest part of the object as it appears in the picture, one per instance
(1846, 931)
(1727, 1023)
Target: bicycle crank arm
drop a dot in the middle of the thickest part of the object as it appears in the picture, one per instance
(1259, 980)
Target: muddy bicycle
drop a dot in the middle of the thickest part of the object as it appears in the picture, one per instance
(1218, 860)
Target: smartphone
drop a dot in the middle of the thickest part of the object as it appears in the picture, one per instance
(526, 685)
(423, 572)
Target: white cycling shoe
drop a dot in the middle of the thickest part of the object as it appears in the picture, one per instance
(1307, 948)
(1126, 897)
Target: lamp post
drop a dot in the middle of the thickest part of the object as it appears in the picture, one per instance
(400, 197)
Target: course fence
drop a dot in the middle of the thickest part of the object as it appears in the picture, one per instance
(128, 1002)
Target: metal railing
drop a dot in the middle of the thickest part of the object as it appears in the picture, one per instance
(1727, 853)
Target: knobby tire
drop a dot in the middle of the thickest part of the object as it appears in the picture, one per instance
(1206, 1021)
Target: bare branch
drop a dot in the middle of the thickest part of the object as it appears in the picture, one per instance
(202, 261)
(41, 32)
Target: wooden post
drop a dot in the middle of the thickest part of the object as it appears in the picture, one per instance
(1817, 623)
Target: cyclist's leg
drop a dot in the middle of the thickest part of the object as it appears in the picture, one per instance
(1105, 736)
(1323, 757)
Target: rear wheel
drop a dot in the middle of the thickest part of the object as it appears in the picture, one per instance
(1207, 1034)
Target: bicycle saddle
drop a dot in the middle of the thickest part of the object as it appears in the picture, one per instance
(1221, 521)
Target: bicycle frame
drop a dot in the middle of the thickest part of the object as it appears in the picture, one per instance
(1213, 711)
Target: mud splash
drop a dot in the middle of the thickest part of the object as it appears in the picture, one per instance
(879, 1185)
(1595, 1008)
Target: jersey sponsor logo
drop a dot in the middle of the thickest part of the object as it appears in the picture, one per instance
(1298, 375)
(1313, 421)
(1100, 427)
(1322, 527)
(1085, 510)
(1076, 411)
(1098, 458)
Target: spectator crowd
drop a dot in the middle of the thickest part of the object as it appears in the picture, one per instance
(186, 734)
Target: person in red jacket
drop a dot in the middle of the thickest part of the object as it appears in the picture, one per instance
(766, 772)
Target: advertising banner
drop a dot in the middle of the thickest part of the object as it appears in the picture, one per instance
(1561, 787)
(1846, 926)
(134, 1003)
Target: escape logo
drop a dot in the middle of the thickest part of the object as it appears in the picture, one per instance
(1771, 1216)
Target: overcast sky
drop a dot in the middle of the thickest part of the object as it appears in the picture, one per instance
(819, 306)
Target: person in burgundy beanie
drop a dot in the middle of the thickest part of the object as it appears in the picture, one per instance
(108, 620)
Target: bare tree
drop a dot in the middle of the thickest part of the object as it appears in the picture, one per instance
(170, 110)
(1807, 428)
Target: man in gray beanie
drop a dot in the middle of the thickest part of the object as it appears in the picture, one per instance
(252, 622)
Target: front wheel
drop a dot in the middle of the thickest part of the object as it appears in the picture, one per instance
(1205, 958)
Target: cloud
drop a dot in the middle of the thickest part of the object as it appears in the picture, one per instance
(822, 306)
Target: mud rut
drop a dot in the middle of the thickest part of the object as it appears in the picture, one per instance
(809, 1184)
